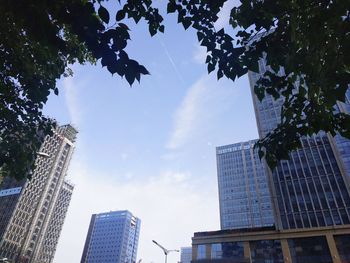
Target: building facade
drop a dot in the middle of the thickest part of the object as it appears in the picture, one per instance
(343, 144)
(112, 237)
(312, 188)
(265, 244)
(32, 212)
(244, 196)
(186, 255)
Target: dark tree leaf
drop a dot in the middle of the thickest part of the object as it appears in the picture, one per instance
(161, 28)
(122, 25)
(103, 14)
(143, 70)
(211, 67)
(120, 15)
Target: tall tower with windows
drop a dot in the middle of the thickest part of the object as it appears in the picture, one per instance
(32, 212)
(112, 237)
(244, 195)
(312, 188)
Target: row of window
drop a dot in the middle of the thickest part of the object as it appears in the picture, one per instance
(302, 250)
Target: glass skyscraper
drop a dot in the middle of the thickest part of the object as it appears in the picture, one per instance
(112, 237)
(186, 255)
(312, 188)
(243, 191)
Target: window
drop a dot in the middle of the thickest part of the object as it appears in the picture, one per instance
(233, 250)
(343, 245)
(266, 251)
(201, 252)
(312, 249)
(216, 251)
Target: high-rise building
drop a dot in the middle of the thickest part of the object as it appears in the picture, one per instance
(244, 196)
(112, 237)
(312, 188)
(32, 212)
(186, 255)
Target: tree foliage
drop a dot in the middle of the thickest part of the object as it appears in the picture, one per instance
(308, 39)
(38, 41)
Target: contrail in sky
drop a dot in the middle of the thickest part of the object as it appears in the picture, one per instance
(172, 62)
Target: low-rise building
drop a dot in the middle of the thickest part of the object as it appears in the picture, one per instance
(265, 244)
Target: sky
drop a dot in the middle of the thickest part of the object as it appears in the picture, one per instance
(150, 148)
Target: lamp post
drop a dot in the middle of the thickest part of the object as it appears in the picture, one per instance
(166, 251)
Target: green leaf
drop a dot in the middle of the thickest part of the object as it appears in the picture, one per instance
(103, 14)
(161, 28)
(211, 67)
(124, 26)
(200, 36)
(220, 74)
(186, 22)
(120, 15)
(208, 59)
(171, 7)
(130, 77)
(143, 70)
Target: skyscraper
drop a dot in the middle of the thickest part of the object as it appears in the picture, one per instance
(186, 255)
(243, 191)
(112, 237)
(32, 211)
(312, 188)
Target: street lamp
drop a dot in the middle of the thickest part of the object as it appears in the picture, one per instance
(166, 251)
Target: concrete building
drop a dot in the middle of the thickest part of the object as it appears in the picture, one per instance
(312, 189)
(244, 195)
(186, 255)
(255, 245)
(112, 237)
(32, 212)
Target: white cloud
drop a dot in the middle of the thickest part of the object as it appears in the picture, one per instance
(187, 114)
(169, 206)
(71, 97)
(204, 103)
(200, 54)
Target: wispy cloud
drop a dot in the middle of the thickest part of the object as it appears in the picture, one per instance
(187, 114)
(71, 97)
(170, 208)
(199, 54)
(203, 104)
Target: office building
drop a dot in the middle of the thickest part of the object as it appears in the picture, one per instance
(329, 244)
(312, 188)
(186, 255)
(112, 237)
(244, 195)
(32, 212)
(343, 144)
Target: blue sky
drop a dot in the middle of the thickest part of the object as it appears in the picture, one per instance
(150, 148)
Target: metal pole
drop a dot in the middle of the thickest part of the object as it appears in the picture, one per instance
(166, 258)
